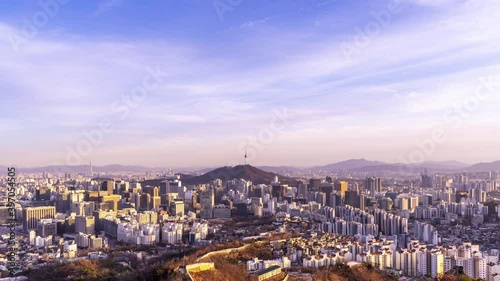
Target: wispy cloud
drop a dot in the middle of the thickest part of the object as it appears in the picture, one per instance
(435, 3)
(107, 5)
(250, 24)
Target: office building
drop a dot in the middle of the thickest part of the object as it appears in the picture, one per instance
(111, 201)
(42, 194)
(63, 202)
(207, 202)
(31, 216)
(85, 224)
(108, 186)
(46, 227)
(341, 187)
(177, 207)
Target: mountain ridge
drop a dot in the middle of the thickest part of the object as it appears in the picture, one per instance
(246, 172)
(485, 166)
(354, 165)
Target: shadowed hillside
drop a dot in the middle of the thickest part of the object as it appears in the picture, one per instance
(246, 172)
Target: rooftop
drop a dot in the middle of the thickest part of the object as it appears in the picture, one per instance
(269, 269)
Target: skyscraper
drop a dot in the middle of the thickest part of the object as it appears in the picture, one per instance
(278, 190)
(341, 187)
(108, 186)
(207, 201)
(314, 184)
(373, 184)
(327, 189)
(177, 207)
(426, 180)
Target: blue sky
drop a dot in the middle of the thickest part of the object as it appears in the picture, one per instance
(348, 92)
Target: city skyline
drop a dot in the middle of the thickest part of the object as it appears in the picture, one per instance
(347, 164)
(249, 140)
(294, 83)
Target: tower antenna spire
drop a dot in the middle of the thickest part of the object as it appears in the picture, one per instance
(245, 155)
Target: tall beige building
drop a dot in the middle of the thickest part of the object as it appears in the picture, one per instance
(31, 216)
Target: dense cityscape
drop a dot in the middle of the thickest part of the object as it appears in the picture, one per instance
(234, 140)
(414, 226)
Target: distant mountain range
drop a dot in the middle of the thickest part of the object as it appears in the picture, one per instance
(347, 165)
(352, 165)
(492, 166)
(84, 169)
(363, 165)
(280, 169)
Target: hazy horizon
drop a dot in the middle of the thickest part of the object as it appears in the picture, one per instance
(192, 84)
(166, 166)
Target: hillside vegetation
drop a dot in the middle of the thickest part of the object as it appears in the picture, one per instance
(230, 267)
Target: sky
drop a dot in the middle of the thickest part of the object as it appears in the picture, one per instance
(195, 83)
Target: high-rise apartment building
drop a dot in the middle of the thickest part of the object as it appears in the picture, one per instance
(437, 264)
(373, 184)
